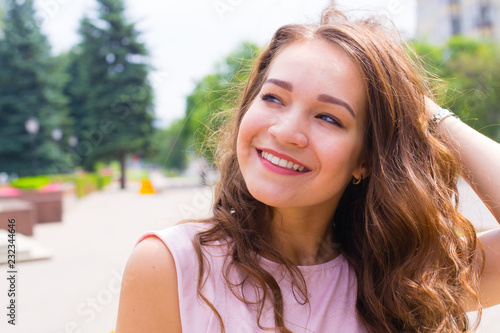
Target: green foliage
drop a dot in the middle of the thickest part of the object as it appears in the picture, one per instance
(2, 15)
(61, 178)
(31, 182)
(137, 174)
(30, 86)
(103, 181)
(110, 97)
(169, 147)
(472, 75)
(88, 183)
(207, 107)
(214, 96)
(85, 184)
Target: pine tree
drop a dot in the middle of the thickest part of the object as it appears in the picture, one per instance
(111, 99)
(30, 86)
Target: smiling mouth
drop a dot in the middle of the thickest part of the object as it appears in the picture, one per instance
(282, 162)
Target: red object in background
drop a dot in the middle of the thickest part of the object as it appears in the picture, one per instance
(106, 172)
(9, 191)
(47, 202)
(52, 187)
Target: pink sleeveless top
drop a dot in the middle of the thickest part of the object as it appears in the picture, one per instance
(331, 289)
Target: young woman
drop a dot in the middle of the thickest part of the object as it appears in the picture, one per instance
(336, 207)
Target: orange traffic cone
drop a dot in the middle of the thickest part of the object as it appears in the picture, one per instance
(146, 187)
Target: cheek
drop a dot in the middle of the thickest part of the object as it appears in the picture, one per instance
(357, 155)
(245, 135)
(340, 155)
(242, 134)
(251, 125)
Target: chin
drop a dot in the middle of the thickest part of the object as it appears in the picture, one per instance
(273, 198)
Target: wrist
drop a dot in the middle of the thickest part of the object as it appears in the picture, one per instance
(439, 117)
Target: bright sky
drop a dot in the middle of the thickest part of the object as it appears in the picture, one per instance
(187, 38)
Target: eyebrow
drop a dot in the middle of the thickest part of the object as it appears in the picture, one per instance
(321, 97)
(283, 84)
(334, 100)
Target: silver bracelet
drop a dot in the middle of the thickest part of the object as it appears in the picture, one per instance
(439, 117)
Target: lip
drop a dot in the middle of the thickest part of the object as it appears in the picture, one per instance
(278, 169)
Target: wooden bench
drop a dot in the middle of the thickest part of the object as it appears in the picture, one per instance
(24, 212)
(48, 205)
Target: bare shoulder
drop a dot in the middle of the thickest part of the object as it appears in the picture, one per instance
(149, 300)
(489, 285)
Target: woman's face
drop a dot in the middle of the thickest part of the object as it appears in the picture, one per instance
(300, 142)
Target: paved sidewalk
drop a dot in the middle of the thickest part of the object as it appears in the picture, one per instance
(77, 289)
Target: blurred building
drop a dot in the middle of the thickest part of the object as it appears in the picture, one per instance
(438, 20)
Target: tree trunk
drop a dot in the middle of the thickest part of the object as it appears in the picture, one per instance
(122, 170)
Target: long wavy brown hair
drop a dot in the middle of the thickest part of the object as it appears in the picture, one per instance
(412, 251)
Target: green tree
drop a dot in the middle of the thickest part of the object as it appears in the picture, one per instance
(31, 83)
(2, 23)
(208, 106)
(169, 149)
(471, 77)
(111, 99)
(472, 71)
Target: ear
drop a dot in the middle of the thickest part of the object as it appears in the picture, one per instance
(361, 171)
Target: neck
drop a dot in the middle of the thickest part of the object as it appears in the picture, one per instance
(304, 236)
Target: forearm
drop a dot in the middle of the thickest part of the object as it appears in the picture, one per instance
(480, 160)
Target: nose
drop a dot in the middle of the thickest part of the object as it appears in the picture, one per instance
(290, 129)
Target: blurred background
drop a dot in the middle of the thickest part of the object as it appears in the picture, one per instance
(107, 109)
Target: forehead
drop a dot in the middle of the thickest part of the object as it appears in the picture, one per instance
(321, 67)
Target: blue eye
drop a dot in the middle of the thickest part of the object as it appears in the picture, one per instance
(270, 98)
(330, 119)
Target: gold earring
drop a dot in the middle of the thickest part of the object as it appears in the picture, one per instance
(357, 181)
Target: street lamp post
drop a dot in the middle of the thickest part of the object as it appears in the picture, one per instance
(57, 135)
(32, 126)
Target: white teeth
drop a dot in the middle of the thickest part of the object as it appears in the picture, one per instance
(282, 162)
